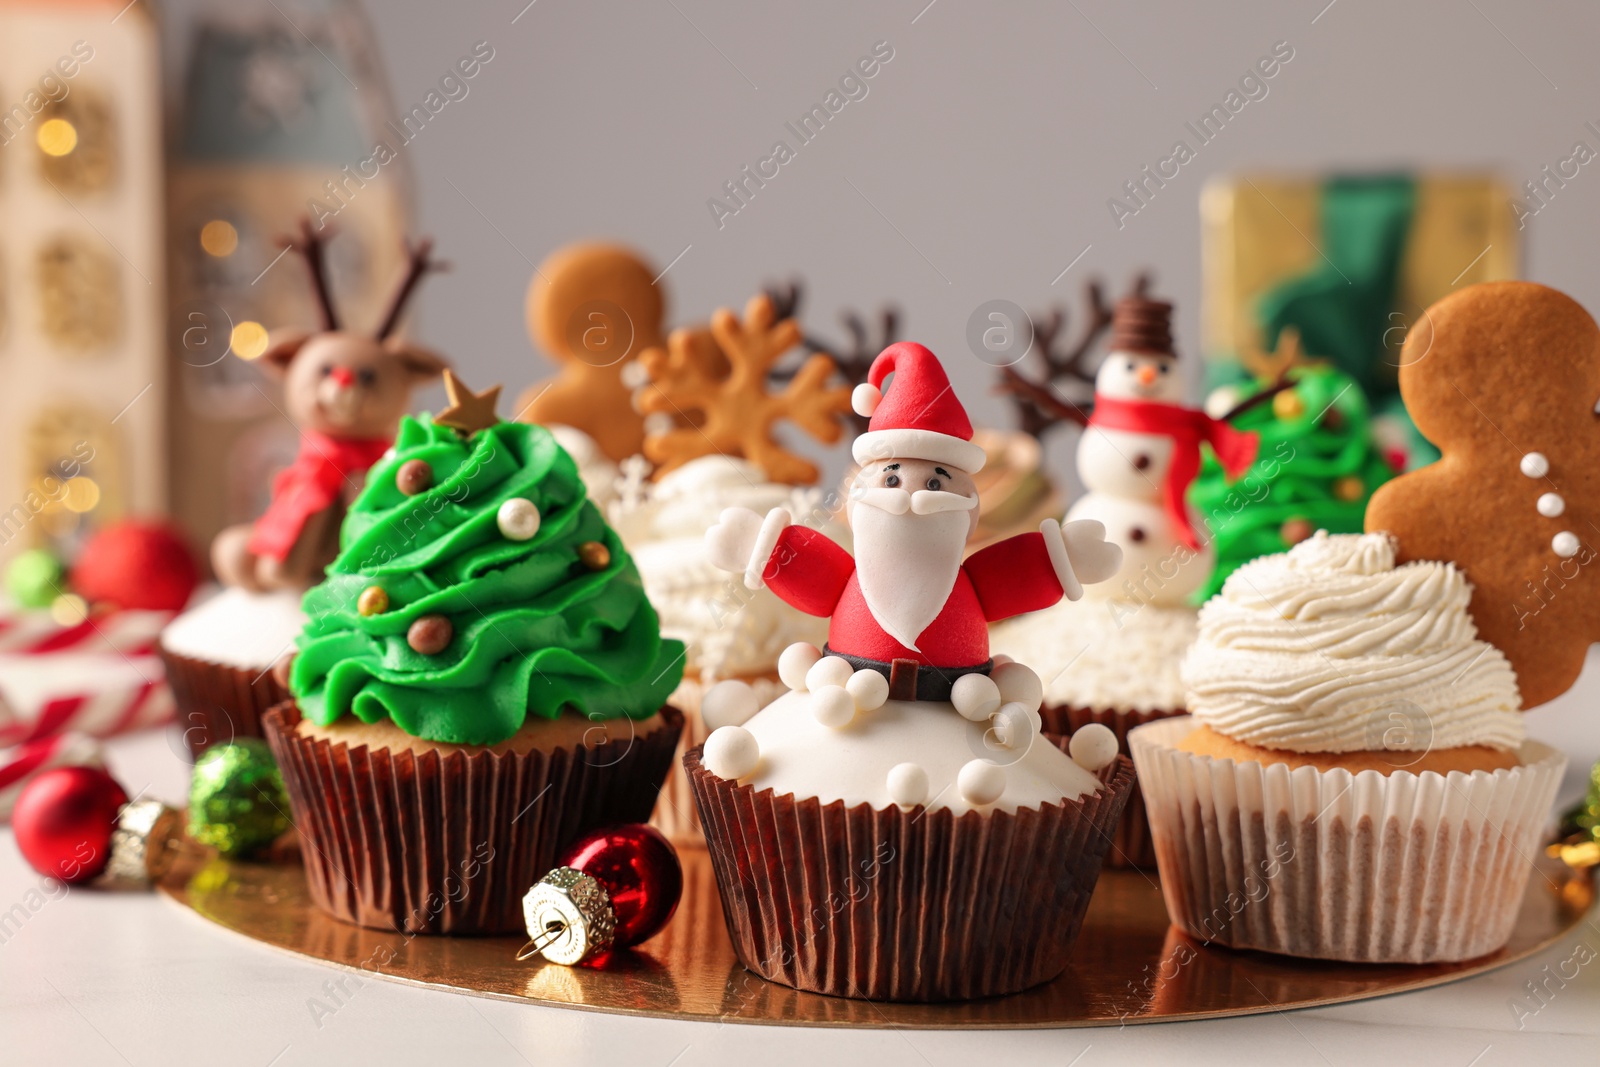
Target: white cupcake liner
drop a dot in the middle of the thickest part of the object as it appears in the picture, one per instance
(1403, 868)
(676, 814)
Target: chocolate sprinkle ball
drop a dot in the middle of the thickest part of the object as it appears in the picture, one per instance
(430, 635)
(595, 555)
(413, 477)
(1139, 324)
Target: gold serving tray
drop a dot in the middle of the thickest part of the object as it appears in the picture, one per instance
(1128, 966)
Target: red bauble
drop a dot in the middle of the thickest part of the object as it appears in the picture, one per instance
(63, 821)
(641, 872)
(145, 566)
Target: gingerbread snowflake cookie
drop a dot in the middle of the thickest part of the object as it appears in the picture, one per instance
(1504, 378)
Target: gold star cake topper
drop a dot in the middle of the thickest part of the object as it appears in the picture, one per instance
(468, 412)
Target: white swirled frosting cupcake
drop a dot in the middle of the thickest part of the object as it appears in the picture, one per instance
(1333, 652)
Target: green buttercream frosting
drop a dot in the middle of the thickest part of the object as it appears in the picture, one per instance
(1300, 463)
(535, 630)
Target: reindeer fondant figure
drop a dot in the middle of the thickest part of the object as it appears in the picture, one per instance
(345, 392)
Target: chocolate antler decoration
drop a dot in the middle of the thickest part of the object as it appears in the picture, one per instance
(1037, 404)
(852, 360)
(418, 263)
(313, 248)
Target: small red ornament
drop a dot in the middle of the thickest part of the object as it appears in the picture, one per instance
(64, 819)
(143, 566)
(615, 888)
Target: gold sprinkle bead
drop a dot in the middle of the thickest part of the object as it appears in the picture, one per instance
(1349, 488)
(595, 555)
(1288, 405)
(374, 600)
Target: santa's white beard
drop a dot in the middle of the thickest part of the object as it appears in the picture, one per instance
(907, 565)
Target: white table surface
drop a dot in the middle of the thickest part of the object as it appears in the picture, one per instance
(90, 977)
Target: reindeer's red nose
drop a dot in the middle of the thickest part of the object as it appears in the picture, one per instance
(343, 377)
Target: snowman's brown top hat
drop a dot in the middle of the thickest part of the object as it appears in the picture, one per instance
(1139, 324)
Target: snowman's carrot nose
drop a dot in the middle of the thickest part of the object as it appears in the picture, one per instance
(1146, 375)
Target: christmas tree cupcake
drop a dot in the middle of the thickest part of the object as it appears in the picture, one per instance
(480, 681)
(895, 826)
(1113, 657)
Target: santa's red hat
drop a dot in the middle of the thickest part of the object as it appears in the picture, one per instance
(919, 417)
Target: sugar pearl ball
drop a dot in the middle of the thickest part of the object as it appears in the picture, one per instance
(1093, 746)
(975, 696)
(795, 662)
(981, 782)
(1221, 400)
(833, 705)
(518, 519)
(414, 476)
(1551, 505)
(1019, 683)
(1534, 465)
(731, 752)
(374, 600)
(908, 785)
(1000, 660)
(1014, 725)
(869, 689)
(730, 703)
(829, 670)
(430, 634)
(1566, 544)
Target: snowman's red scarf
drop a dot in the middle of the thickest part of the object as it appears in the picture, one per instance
(1188, 427)
(309, 485)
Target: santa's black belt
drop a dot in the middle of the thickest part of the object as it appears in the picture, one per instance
(910, 680)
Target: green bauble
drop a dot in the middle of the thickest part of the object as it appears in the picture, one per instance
(1317, 467)
(237, 803)
(35, 578)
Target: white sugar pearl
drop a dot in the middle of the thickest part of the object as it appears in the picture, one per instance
(1019, 683)
(975, 696)
(1014, 726)
(730, 703)
(1000, 660)
(518, 519)
(1534, 465)
(731, 752)
(1566, 544)
(1551, 505)
(1221, 400)
(832, 705)
(981, 782)
(1093, 746)
(829, 670)
(908, 784)
(794, 662)
(869, 689)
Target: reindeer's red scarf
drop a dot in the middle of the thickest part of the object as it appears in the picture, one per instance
(1187, 427)
(312, 483)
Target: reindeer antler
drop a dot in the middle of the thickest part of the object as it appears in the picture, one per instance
(313, 249)
(418, 263)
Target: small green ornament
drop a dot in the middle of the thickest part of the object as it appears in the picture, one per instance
(237, 802)
(35, 578)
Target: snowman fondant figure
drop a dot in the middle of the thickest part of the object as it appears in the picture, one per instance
(1139, 454)
(908, 633)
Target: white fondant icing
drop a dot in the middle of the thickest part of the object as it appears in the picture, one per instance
(731, 752)
(729, 703)
(1056, 546)
(975, 696)
(1092, 746)
(237, 628)
(599, 474)
(865, 398)
(1014, 725)
(906, 564)
(1535, 465)
(772, 527)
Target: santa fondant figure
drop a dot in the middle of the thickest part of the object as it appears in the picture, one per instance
(1140, 453)
(906, 604)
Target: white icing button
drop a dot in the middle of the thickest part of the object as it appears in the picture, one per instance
(731, 752)
(1550, 505)
(975, 696)
(981, 782)
(1093, 746)
(832, 705)
(908, 784)
(869, 689)
(829, 670)
(1534, 465)
(729, 703)
(795, 661)
(1018, 683)
(1566, 544)
(518, 519)
(1013, 725)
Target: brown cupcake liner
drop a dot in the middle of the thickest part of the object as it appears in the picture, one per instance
(676, 815)
(218, 703)
(1132, 847)
(904, 905)
(448, 843)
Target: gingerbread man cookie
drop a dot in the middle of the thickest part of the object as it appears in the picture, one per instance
(592, 308)
(1504, 378)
